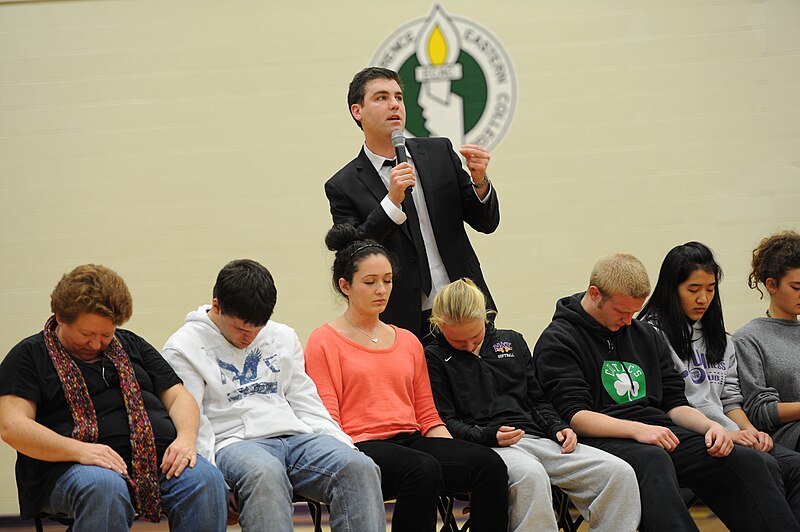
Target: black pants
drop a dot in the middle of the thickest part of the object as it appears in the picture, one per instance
(415, 470)
(744, 489)
(789, 462)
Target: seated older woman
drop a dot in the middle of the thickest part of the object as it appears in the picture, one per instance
(103, 427)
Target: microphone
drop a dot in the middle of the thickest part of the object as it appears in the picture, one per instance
(399, 143)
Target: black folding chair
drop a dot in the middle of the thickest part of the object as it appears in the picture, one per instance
(561, 507)
(60, 518)
(314, 509)
(446, 512)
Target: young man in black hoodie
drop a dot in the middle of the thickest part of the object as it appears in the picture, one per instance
(612, 379)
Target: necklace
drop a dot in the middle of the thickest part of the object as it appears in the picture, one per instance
(769, 315)
(372, 337)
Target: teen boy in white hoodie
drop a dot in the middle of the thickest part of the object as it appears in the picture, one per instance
(262, 421)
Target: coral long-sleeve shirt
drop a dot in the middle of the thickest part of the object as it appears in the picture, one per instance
(372, 393)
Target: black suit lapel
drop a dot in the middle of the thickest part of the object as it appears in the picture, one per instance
(366, 173)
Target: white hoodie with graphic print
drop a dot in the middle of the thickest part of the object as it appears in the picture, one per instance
(258, 392)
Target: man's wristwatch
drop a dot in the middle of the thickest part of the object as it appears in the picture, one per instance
(483, 184)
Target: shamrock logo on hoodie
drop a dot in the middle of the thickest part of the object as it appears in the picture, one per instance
(624, 386)
(624, 381)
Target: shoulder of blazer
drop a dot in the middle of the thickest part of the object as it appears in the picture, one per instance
(431, 150)
(351, 168)
(429, 141)
(421, 145)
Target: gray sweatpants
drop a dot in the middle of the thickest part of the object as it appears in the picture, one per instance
(602, 486)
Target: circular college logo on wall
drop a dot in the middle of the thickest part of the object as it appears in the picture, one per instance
(458, 80)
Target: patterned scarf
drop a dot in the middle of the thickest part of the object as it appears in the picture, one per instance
(144, 479)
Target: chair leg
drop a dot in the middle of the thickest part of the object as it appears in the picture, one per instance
(561, 504)
(465, 528)
(37, 522)
(445, 506)
(315, 509)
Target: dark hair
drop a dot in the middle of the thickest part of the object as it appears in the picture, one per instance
(664, 307)
(774, 256)
(351, 248)
(92, 288)
(357, 89)
(245, 290)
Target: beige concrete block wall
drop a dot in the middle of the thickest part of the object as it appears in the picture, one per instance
(163, 139)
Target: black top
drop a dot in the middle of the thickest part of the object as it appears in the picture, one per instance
(28, 372)
(476, 395)
(627, 374)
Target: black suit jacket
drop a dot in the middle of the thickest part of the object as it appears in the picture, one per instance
(355, 193)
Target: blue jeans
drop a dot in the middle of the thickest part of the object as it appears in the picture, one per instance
(98, 499)
(265, 474)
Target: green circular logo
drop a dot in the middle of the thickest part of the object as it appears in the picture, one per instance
(457, 79)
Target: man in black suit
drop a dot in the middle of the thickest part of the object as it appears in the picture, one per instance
(423, 226)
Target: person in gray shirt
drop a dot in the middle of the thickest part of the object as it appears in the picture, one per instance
(768, 347)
